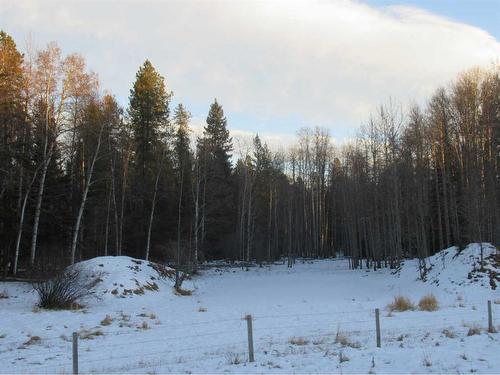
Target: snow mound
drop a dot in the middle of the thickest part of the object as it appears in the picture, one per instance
(125, 277)
(453, 268)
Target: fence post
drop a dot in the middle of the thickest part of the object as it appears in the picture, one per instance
(250, 338)
(491, 329)
(377, 324)
(75, 353)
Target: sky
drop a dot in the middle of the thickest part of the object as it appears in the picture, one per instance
(276, 66)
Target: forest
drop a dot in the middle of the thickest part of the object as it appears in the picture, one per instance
(81, 176)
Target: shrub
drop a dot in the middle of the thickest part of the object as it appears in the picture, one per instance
(63, 291)
(428, 303)
(4, 295)
(401, 303)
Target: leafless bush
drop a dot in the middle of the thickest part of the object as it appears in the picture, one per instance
(63, 291)
(428, 303)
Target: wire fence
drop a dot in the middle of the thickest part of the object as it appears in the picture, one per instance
(231, 342)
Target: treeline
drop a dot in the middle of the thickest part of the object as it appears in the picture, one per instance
(82, 177)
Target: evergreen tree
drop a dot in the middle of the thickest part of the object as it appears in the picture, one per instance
(219, 214)
(149, 118)
(13, 134)
(183, 168)
(149, 112)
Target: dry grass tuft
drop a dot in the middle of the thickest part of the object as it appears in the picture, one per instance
(448, 332)
(144, 325)
(298, 341)
(233, 358)
(342, 339)
(182, 292)
(401, 303)
(106, 321)
(474, 330)
(427, 362)
(90, 335)
(428, 303)
(33, 340)
(343, 357)
(202, 309)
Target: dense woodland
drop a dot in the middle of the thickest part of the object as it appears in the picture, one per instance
(80, 176)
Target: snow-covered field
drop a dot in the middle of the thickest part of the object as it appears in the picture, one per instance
(298, 315)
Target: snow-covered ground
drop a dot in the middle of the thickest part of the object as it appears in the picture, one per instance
(297, 315)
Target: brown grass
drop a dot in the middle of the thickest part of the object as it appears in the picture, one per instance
(298, 341)
(474, 330)
(144, 325)
(448, 332)
(342, 339)
(183, 292)
(401, 303)
(428, 303)
(33, 340)
(106, 321)
(90, 335)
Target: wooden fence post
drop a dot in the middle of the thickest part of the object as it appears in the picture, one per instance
(491, 329)
(250, 338)
(377, 324)
(75, 353)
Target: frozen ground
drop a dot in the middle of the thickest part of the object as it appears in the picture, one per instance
(297, 314)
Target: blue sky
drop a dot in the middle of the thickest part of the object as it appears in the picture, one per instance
(481, 13)
(275, 65)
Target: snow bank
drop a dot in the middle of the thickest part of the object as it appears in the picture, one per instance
(125, 277)
(453, 269)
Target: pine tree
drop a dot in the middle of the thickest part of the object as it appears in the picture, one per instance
(149, 117)
(149, 112)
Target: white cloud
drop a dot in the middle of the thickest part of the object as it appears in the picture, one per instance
(325, 63)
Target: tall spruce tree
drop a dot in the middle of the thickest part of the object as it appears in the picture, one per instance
(183, 168)
(219, 214)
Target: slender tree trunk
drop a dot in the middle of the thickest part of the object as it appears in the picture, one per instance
(88, 182)
(153, 205)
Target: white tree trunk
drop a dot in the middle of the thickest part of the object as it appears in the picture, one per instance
(88, 182)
